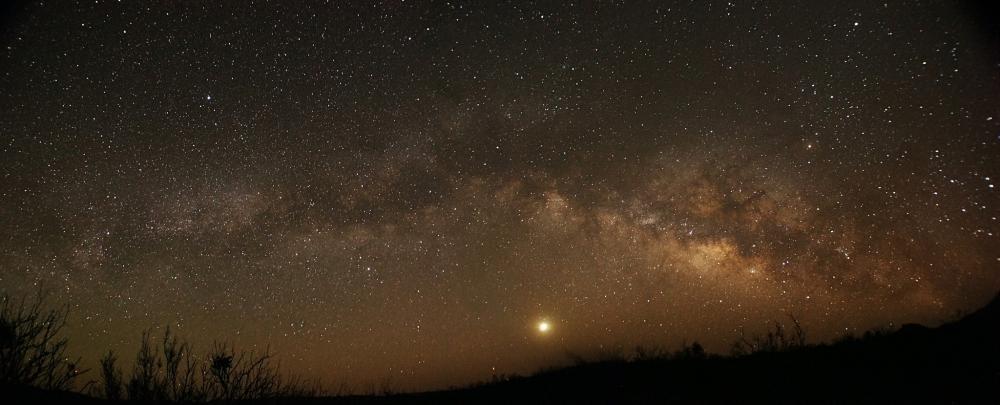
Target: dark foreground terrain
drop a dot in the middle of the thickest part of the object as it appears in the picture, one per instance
(958, 362)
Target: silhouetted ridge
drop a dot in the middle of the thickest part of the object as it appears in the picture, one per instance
(954, 363)
(987, 315)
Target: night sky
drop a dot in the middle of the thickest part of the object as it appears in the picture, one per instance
(406, 191)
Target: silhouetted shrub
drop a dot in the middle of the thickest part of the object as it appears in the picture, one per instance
(844, 339)
(180, 369)
(31, 351)
(244, 375)
(693, 352)
(775, 340)
(642, 353)
(142, 385)
(171, 372)
(111, 377)
(611, 354)
(877, 332)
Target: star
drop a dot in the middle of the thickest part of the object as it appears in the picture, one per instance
(437, 188)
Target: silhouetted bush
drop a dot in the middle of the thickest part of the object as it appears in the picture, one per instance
(171, 372)
(180, 369)
(142, 385)
(247, 375)
(31, 351)
(775, 340)
(693, 352)
(952, 361)
(642, 353)
(111, 377)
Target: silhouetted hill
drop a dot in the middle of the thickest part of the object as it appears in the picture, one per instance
(958, 362)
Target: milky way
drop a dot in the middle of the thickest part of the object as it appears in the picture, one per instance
(405, 192)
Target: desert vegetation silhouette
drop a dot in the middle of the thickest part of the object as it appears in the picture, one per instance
(33, 356)
(31, 351)
(956, 362)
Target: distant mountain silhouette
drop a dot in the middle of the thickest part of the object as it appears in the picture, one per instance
(958, 362)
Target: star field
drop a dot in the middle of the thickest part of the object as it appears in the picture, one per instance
(407, 191)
